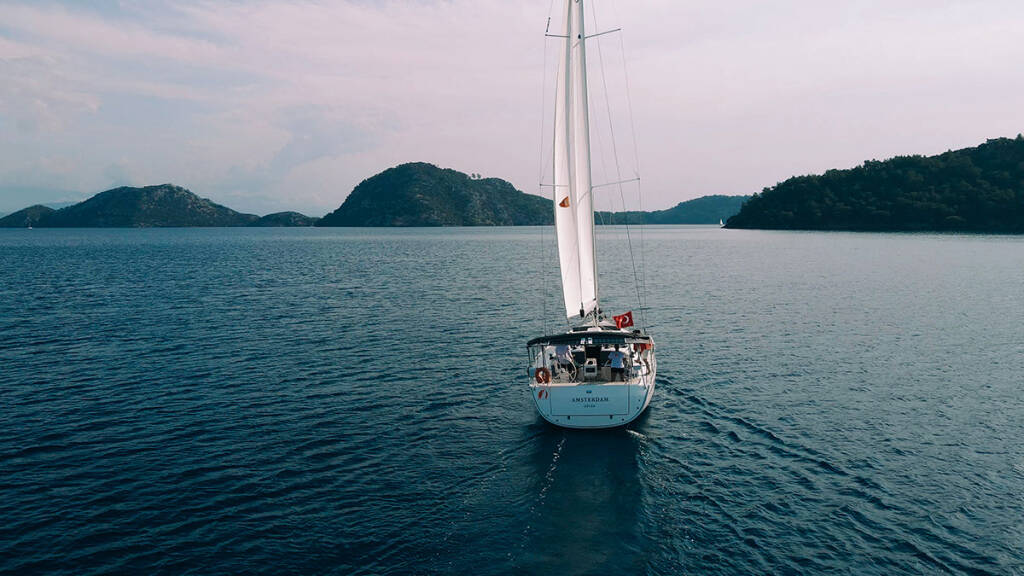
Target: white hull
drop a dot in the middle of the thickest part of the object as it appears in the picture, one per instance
(591, 406)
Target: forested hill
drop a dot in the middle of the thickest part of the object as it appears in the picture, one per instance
(413, 194)
(703, 210)
(978, 189)
(421, 194)
(26, 217)
(150, 206)
(165, 205)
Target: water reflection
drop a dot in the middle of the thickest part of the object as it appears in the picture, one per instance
(588, 502)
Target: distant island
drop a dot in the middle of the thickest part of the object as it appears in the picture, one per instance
(165, 205)
(704, 210)
(413, 194)
(26, 217)
(978, 189)
(152, 206)
(284, 219)
(421, 194)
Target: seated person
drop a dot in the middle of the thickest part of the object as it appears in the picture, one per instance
(616, 359)
(563, 361)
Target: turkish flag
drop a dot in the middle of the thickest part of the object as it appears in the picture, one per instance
(623, 320)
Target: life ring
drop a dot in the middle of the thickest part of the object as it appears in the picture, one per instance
(542, 375)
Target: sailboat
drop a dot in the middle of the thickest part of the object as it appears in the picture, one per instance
(600, 373)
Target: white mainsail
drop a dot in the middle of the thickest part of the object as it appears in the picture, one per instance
(574, 206)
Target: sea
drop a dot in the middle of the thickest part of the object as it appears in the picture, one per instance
(354, 401)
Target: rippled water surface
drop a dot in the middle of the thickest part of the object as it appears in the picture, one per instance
(354, 402)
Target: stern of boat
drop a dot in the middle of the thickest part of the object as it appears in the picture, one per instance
(571, 387)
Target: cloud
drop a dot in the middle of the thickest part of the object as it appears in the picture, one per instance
(34, 97)
(316, 133)
(119, 174)
(279, 105)
(273, 86)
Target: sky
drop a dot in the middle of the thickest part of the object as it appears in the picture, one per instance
(266, 106)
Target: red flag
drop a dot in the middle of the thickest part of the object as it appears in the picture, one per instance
(564, 203)
(623, 320)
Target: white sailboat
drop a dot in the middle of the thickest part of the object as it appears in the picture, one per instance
(600, 373)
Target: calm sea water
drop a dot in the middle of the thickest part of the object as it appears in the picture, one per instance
(354, 402)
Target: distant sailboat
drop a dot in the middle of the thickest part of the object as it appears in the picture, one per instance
(598, 374)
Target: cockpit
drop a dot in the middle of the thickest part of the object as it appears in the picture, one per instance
(590, 357)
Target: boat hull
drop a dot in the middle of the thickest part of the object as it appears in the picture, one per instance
(590, 406)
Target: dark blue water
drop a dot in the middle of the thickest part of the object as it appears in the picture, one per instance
(354, 402)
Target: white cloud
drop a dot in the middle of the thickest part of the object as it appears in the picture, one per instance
(279, 105)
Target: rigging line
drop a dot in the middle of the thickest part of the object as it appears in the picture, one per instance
(544, 280)
(618, 172)
(543, 236)
(603, 33)
(601, 165)
(639, 192)
(627, 181)
(615, 183)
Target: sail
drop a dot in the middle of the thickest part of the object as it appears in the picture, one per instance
(573, 203)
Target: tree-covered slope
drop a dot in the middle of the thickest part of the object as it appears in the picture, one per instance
(420, 194)
(284, 219)
(978, 189)
(165, 205)
(703, 210)
(26, 217)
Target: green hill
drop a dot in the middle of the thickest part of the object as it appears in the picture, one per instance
(978, 189)
(283, 219)
(414, 194)
(703, 210)
(420, 194)
(165, 205)
(26, 217)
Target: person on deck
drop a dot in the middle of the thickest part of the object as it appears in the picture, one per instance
(564, 357)
(616, 359)
(637, 363)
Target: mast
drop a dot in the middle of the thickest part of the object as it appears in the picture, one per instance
(574, 207)
(584, 116)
